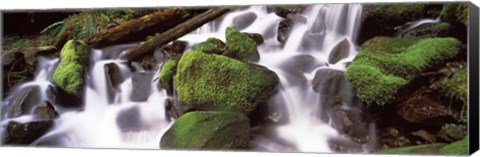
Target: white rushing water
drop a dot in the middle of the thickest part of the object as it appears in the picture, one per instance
(124, 123)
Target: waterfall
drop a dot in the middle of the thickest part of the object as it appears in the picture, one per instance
(118, 121)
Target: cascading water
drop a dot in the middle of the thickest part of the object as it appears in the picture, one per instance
(119, 121)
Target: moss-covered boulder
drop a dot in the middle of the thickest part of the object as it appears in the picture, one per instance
(384, 19)
(456, 148)
(384, 65)
(418, 149)
(167, 71)
(211, 45)
(69, 75)
(215, 82)
(208, 130)
(240, 46)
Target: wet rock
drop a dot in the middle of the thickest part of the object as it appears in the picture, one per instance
(340, 51)
(23, 101)
(172, 110)
(129, 119)
(349, 121)
(284, 28)
(141, 83)
(331, 82)
(45, 110)
(113, 78)
(303, 63)
(208, 130)
(421, 110)
(64, 99)
(243, 21)
(297, 18)
(284, 10)
(258, 38)
(26, 133)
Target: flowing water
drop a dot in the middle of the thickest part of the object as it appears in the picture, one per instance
(119, 121)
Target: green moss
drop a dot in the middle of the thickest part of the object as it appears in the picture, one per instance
(456, 148)
(168, 70)
(384, 64)
(455, 12)
(218, 130)
(392, 10)
(455, 87)
(212, 45)
(69, 73)
(240, 46)
(215, 82)
(419, 149)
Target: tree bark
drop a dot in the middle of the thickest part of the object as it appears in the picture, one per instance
(138, 29)
(175, 33)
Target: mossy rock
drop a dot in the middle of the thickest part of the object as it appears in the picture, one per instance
(208, 130)
(167, 71)
(384, 64)
(456, 148)
(69, 75)
(219, 83)
(240, 46)
(419, 149)
(212, 45)
(382, 19)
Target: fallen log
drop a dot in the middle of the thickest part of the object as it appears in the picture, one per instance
(138, 29)
(175, 33)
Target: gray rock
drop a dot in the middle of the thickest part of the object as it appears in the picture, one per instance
(141, 83)
(45, 110)
(243, 21)
(340, 51)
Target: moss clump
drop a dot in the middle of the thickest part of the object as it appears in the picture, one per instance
(455, 87)
(215, 82)
(397, 10)
(69, 73)
(168, 70)
(240, 46)
(384, 64)
(456, 148)
(419, 149)
(212, 45)
(214, 130)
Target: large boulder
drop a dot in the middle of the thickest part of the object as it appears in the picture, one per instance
(208, 130)
(384, 65)
(240, 46)
(214, 82)
(69, 75)
(22, 101)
